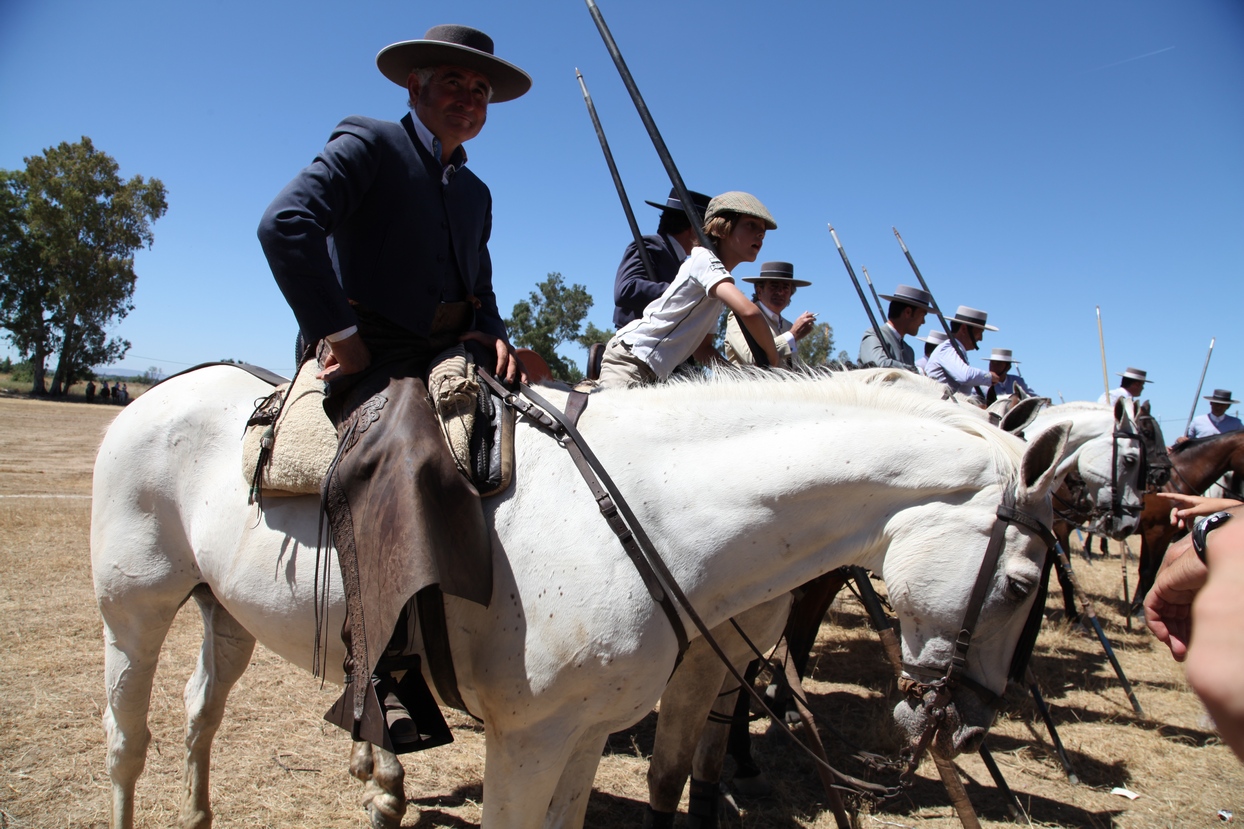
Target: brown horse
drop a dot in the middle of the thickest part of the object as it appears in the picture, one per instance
(1195, 464)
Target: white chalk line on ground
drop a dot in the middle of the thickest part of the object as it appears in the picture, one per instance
(46, 495)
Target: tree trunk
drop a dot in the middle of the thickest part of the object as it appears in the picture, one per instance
(68, 347)
(38, 358)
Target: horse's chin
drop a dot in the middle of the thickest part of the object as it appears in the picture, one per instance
(964, 725)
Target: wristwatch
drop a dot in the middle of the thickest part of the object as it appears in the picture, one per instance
(1203, 526)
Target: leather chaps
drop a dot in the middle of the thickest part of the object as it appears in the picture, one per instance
(403, 519)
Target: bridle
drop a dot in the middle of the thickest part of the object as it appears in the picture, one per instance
(935, 695)
(667, 593)
(1080, 509)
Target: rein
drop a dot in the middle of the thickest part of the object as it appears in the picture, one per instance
(665, 590)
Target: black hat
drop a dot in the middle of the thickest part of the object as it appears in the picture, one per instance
(1220, 396)
(908, 295)
(453, 45)
(777, 272)
(699, 200)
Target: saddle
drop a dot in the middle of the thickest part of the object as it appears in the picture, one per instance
(290, 441)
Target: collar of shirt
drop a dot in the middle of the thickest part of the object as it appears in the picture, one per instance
(772, 316)
(433, 145)
(1216, 419)
(678, 251)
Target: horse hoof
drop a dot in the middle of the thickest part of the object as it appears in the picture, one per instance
(755, 786)
(384, 811)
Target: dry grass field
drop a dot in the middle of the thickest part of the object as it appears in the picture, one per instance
(278, 765)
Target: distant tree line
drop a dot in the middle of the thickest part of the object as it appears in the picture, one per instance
(69, 227)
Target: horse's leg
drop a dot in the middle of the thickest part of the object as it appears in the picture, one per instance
(1071, 613)
(226, 651)
(685, 703)
(523, 766)
(568, 808)
(134, 630)
(384, 779)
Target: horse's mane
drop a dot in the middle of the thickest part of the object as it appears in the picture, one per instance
(730, 388)
(1078, 406)
(1192, 443)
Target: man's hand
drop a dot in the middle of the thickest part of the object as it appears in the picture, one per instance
(1168, 607)
(509, 368)
(345, 357)
(803, 325)
(996, 378)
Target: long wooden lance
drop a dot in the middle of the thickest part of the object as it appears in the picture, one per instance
(1101, 338)
(937, 309)
(876, 298)
(885, 344)
(1199, 384)
(644, 257)
(667, 160)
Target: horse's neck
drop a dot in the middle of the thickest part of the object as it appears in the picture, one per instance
(1200, 465)
(745, 513)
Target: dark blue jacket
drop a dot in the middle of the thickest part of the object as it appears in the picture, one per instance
(370, 221)
(632, 289)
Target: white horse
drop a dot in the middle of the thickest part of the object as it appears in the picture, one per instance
(1102, 448)
(812, 474)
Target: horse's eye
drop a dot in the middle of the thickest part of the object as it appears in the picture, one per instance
(1018, 588)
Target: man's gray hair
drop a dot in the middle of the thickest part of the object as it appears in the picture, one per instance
(424, 74)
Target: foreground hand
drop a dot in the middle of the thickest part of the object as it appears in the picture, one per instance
(803, 325)
(1184, 507)
(345, 357)
(509, 368)
(1168, 607)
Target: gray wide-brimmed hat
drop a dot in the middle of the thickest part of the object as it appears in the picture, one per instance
(1002, 355)
(699, 200)
(737, 201)
(452, 45)
(972, 316)
(1134, 374)
(777, 272)
(915, 297)
(934, 338)
(1220, 396)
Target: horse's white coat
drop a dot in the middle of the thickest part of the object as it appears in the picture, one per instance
(808, 474)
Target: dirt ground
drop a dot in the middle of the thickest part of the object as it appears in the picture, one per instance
(277, 764)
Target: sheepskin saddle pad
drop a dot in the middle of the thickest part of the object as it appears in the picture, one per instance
(290, 442)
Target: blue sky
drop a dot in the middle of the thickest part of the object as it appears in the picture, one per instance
(1039, 159)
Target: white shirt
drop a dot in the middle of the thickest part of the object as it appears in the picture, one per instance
(946, 366)
(1115, 394)
(1207, 425)
(675, 323)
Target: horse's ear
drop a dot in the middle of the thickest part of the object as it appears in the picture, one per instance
(1041, 460)
(1022, 414)
(1144, 409)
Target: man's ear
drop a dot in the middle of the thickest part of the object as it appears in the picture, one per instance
(412, 86)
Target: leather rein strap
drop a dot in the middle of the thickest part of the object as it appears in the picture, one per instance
(610, 502)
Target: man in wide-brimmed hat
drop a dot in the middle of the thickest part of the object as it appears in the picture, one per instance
(775, 286)
(1131, 387)
(380, 246)
(931, 343)
(634, 287)
(1000, 362)
(1216, 421)
(904, 316)
(967, 327)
